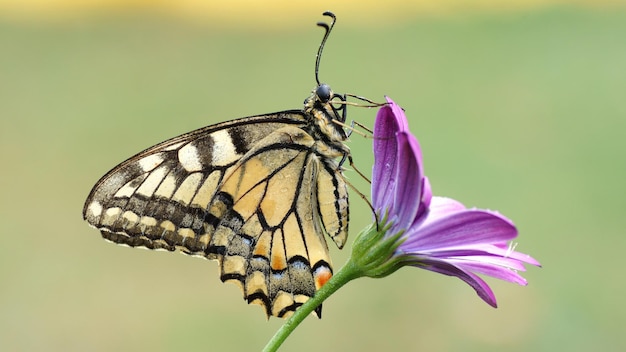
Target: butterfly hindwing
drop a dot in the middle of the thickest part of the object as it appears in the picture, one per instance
(257, 194)
(271, 235)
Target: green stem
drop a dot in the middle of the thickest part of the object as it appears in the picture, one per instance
(348, 272)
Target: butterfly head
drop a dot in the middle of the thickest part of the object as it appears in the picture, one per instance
(325, 119)
(323, 93)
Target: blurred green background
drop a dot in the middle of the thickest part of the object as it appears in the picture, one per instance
(519, 111)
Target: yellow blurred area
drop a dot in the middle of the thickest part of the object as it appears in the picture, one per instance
(281, 12)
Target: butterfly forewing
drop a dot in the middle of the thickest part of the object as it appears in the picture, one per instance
(256, 194)
(162, 180)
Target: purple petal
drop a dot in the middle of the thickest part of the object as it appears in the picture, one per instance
(408, 192)
(494, 271)
(399, 115)
(475, 255)
(488, 260)
(479, 285)
(389, 121)
(442, 206)
(505, 250)
(485, 249)
(460, 228)
(385, 157)
(522, 257)
(427, 193)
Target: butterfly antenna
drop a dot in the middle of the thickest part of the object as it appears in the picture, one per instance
(328, 28)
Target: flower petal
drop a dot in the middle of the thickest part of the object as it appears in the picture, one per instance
(459, 228)
(427, 193)
(467, 254)
(385, 157)
(479, 285)
(440, 206)
(489, 252)
(408, 191)
(399, 115)
(497, 272)
(522, 257)
(505, 250)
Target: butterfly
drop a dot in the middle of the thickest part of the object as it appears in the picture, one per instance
(257, 194)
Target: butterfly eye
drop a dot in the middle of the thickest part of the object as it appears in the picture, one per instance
(324, 93)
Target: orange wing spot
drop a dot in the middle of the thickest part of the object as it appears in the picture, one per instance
(262, 247)
(278, 262)
(322, 275)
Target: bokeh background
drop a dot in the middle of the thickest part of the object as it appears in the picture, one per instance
(519, 106)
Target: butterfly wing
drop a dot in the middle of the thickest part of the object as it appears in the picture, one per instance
(271, 234)
(158, 182)
(255, 193)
